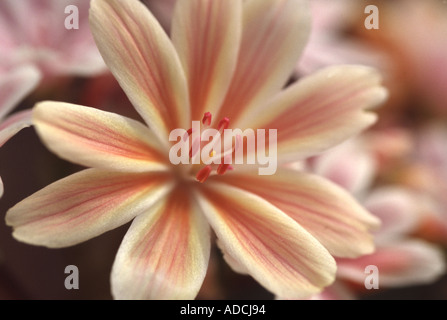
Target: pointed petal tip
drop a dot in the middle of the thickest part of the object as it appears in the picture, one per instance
(273, 248)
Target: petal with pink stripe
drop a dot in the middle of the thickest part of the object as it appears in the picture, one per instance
(95, 138)
(207, 36)
(144, 61)
(319, 111)
(325, 210)
(84, 205)
(274, 33)
(165, 253)
(274, 249)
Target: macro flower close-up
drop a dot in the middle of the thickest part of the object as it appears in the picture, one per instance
(217, 150)
(215, 66)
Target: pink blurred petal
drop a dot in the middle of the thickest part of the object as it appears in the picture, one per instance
(349, 165)
(31, 36)
(397, 209)
(401, 263)
(15, 85)
(14, 124)
(336, 291)
(328, 45)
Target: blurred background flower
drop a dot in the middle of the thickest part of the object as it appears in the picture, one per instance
(402, 259)
(38, 33)
(398, 169)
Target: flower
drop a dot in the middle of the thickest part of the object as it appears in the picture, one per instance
(230, 59)
(328, 45)
(34, 32)
(15, 84)
(401, 258)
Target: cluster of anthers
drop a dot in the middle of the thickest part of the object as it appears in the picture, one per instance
(212, 149)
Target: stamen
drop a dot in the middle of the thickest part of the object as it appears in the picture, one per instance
(223, 124)
(222, 168)
(225, 165)
(203, 174)
(207, 119)
(187, 134)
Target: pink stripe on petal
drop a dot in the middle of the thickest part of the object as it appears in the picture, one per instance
(265, 242)
(164, 254)
(325, 210)
(319, 111)
(207, 36)
(144, 61)
(274, 33)
(84, 205)
(96, 138)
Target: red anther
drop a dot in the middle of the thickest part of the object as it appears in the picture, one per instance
(207, 119)
(224, 123)
(187, 134)
(203, 174)
(222, 168)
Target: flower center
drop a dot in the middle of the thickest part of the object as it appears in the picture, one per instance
(210, 148)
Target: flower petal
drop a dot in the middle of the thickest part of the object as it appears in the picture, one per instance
(14, 124)
(273, 36)
(319, 111)
(274, 249)
(165, 253)
(397, 209)
(349, 165)
(15, 85)
(400, 263)
(84, 205)
(207, 36)
(1, 187)
(336, 291)
(144, 61)
(325, 210)
(29, 35)
(96, 138)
